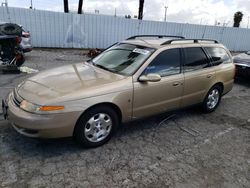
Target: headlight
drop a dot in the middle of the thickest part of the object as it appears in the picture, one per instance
(27, 106)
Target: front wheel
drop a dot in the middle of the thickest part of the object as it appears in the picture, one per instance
(96, 126)
(212, 99)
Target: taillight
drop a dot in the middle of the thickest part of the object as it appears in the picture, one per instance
(18, 56)
(25, 34)
(18, 40)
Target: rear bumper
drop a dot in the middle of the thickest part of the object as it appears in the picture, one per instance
(41, 125)
(28, 49)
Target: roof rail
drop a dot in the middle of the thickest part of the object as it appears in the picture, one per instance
(194, 40)
(157, 36)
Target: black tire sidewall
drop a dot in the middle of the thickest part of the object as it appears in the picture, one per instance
(205, 107)
(79, 135)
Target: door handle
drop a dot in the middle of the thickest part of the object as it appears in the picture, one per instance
(176, 83)
(209, 75)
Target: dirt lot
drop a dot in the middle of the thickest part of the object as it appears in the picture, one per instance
(190, 149)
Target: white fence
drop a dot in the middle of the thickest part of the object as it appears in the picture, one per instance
(61, 30)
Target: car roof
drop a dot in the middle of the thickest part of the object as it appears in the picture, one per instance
(160, 42)
(152, 43)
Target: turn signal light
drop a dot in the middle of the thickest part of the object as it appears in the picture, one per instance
(51, 108)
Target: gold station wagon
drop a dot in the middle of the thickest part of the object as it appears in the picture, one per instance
(141, 76)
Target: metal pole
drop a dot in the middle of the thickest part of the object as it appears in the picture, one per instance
(247, 22)
(165, 17)
(31, 4)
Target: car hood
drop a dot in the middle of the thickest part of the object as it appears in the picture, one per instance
(242, 58)
(69, 82)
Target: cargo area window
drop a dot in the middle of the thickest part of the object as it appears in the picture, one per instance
(218, 55)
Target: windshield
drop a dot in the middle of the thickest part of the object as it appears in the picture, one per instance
(123, 58)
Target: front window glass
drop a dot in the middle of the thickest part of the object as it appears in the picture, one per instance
(123, 58)
(166, 63)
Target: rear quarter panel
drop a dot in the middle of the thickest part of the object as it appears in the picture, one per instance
(225, 73)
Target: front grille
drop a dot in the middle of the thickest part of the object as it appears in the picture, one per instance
(16, 98)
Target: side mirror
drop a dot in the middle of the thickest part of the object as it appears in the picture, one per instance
(150, 78)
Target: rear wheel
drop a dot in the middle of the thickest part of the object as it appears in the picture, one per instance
(212, 99)
(96, 126)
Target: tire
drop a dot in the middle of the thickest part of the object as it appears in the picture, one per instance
(212, 99)
(10, 29)
(92, 128)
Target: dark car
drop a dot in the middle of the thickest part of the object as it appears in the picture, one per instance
(11, 53)
(242, 62)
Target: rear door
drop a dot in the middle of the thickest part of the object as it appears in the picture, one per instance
(199, 76)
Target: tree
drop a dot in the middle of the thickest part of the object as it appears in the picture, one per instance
(140, 14)
(238, 18)
(66, 6)
(80, 7)
(127, 16)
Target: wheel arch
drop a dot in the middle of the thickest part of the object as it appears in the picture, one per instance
(108, 104)
(220, 84)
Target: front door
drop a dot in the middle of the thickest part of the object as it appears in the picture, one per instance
(156, 97)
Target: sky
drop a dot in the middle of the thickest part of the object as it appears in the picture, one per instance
(203, 12)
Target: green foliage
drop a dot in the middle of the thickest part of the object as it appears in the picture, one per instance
(238, 18)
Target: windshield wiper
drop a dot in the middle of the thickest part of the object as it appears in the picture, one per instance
(103, 67)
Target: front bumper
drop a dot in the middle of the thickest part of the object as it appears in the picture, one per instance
(41, 125)
(242, 70)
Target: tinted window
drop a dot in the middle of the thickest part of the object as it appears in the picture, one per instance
(166, 63)
(195, 59)
(218, 55)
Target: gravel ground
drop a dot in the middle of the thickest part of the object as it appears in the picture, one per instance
(184, 149)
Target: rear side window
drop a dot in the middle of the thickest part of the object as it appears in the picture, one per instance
(195, 59)
(218, 55)
(166, 63)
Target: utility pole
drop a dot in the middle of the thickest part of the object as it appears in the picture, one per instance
(5, 3)
(140, 14)
(80, 7)
(247, 22)
(66, 6)
(31, 4)
(115, 12)
(165, 17)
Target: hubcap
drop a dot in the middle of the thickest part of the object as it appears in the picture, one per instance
(213, 98)
(98, 127)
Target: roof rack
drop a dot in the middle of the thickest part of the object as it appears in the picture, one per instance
(157, 36)
(194, 40)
